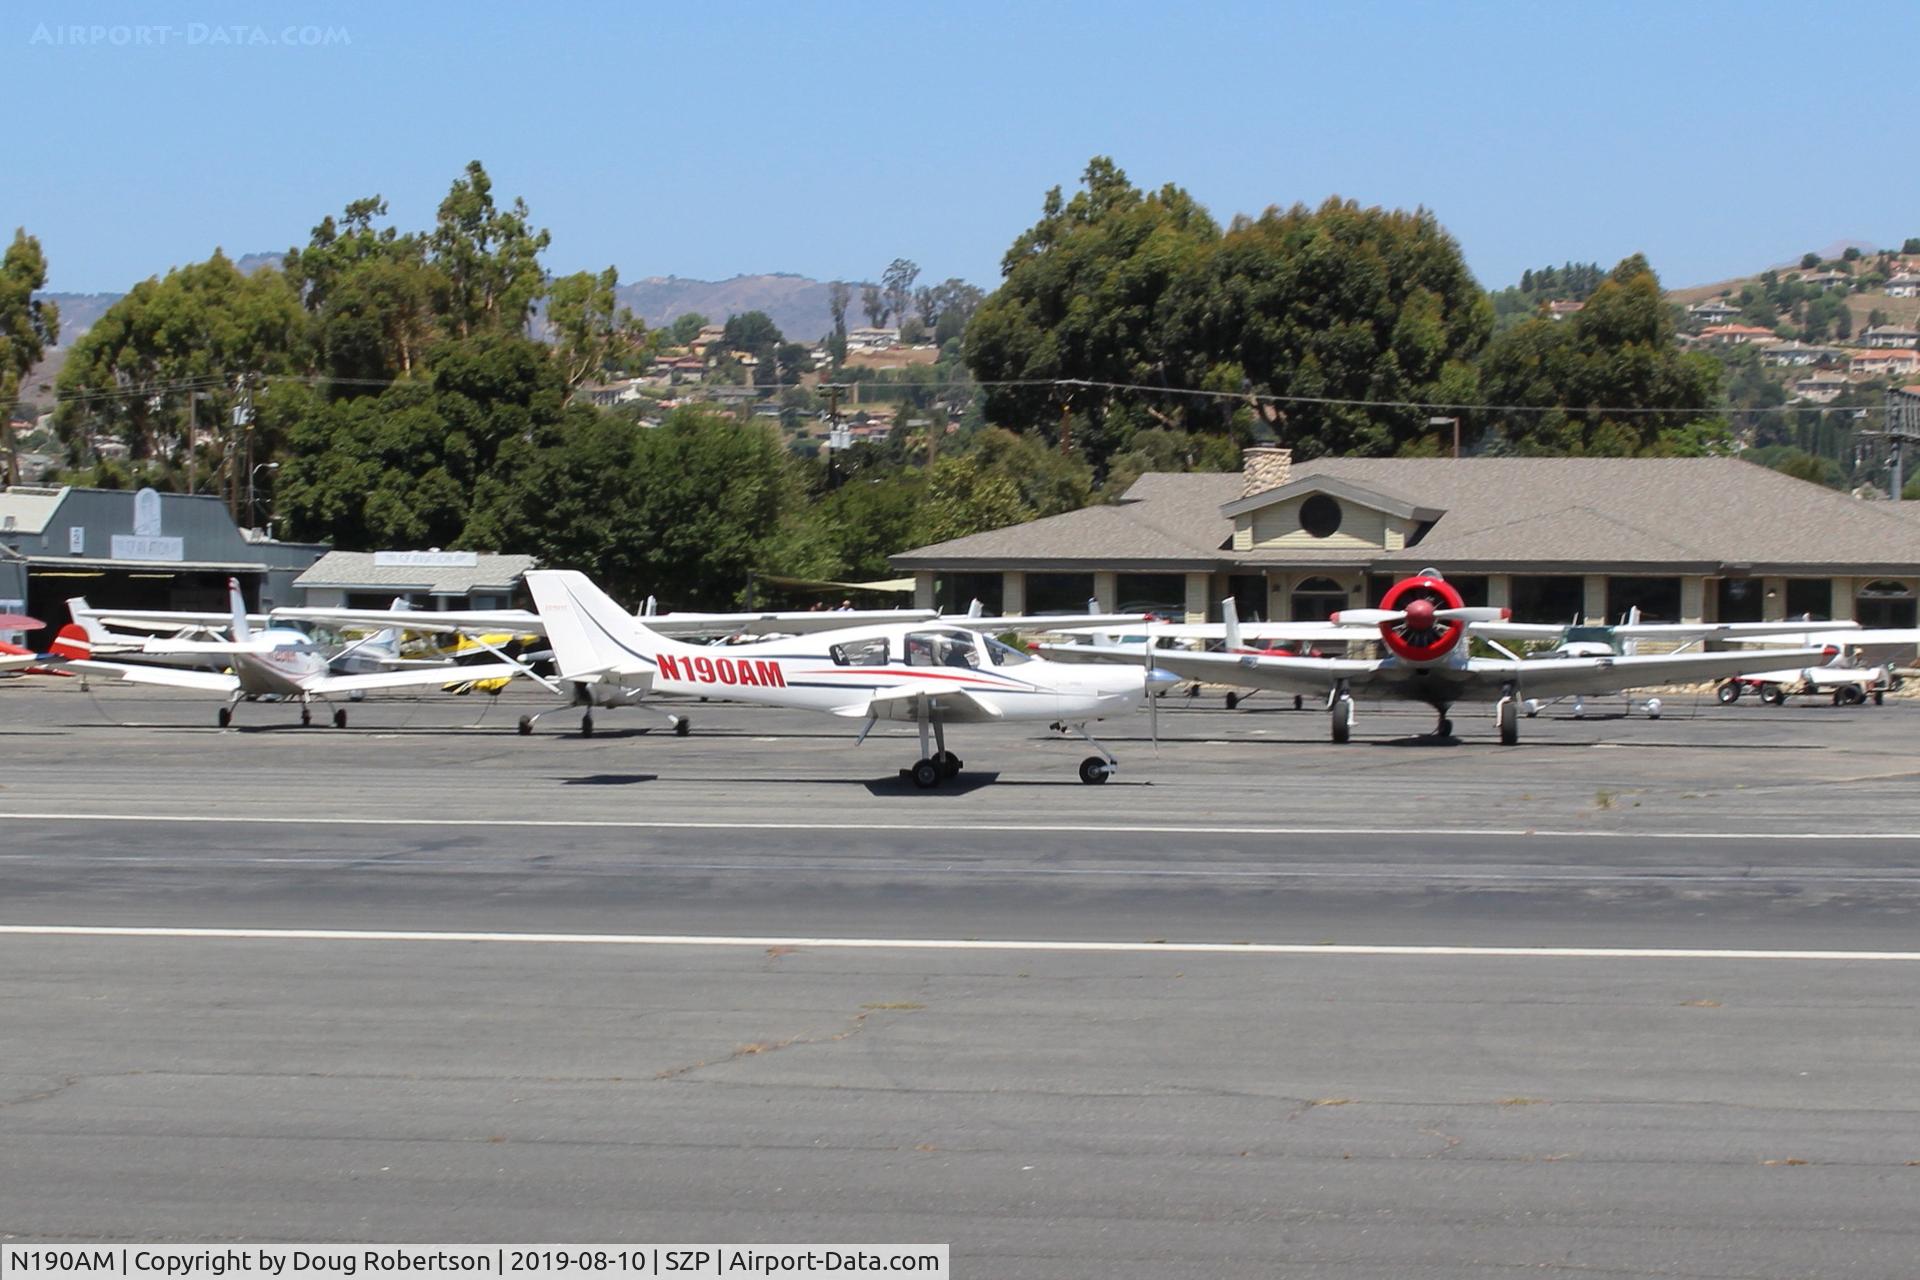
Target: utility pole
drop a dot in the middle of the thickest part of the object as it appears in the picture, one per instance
(1066, 425)
(1441, 422)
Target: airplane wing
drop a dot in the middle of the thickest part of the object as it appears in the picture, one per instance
(1036, 623)
(414, 678)
(1324, 632)
(171, 677)
(448, 622)
(1241, 670)
(902, 702)
(218, 648)
(166, 620)
(16, 661)
(1559, 677)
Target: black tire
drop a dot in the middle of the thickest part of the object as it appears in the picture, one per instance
(1510, 730)
(225, 717)
(1093, 771)
(1855, 695)
(526, 725)
(949, 764)
(1342, 720)
(1728, 692)
(1444, 729)
(586, 726)
(1299, 702)
(1233, 700)
(1879, 696)
(926, 775)
(339, 717)
(1773, 695)
(682, 727)
(306, 717)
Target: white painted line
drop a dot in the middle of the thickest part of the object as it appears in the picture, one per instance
(921, 827)
(943, 944)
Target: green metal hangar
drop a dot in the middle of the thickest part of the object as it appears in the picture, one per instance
(1681, 539)
(133, 549)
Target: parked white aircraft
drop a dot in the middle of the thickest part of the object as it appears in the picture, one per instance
(931, 673)
(1421, 622)
(275, 662)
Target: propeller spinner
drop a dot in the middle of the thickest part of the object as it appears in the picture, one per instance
(1419, 628)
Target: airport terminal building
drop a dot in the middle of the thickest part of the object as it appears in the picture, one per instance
(1682, 539)
(136, 549)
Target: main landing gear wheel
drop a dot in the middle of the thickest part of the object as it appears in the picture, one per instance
(1729, 692)
(1507, 717)
(1233, 700)
(949, 764)
(1772, 694)
(1299, 701)
(586, 726)
(306, 717)
(682, 727)
(1094, 771)
(1444, 729)
(340, 718)
(226, 716)
(926, 775)
(526, 725)
(1343, 719)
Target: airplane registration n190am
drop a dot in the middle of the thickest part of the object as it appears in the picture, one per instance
(924, 672)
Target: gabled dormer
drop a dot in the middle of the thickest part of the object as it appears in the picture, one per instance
(1316, 513)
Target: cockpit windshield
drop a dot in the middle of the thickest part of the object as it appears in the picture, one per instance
(1003, 654)
(942, 649)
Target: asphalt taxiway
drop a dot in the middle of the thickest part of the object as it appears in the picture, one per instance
(1631, 998)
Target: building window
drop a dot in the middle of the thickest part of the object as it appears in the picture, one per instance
(1059, 592)
(1320, 516)
(1741, 600)
(956, 592)
(1810, 598)
(1557, 600)
(1164, 594)
(1249, 592)
(1317, 599)
(1657, 599)
(1884, 604)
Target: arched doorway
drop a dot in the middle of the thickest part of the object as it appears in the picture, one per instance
(1317, 599)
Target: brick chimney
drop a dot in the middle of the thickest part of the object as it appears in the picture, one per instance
(1264, 467)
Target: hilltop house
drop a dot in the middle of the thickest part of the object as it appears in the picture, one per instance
(1712, 311)
(1821, 388)
(1904, 285)
(1797, 355)
(1736, 335)
(1890, 335)
(1825, 279)
(1888, 361)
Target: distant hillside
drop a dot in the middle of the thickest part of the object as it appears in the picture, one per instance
(798, 305)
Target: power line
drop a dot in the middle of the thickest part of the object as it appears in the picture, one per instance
(210, 382)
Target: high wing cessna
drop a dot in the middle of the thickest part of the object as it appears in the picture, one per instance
(931, 673)
(275, 662)
(1421, 622)
(17, 657)
(486, 627)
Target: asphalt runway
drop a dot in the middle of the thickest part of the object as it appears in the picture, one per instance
(1632, 998)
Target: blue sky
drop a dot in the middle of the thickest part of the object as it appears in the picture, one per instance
(826, 139)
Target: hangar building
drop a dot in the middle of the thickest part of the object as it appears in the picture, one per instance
(1683, 539)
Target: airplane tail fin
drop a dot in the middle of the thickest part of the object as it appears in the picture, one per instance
(591, 634)
(73, 641)
(242, 632)
(86, 620)
(1230, 615)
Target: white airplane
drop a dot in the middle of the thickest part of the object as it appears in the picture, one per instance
(484, 627)
(276, 662)
(931, 673)
(1421, 622)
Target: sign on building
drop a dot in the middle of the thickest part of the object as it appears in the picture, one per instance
(77, 540)
(136, 547)
(426, 559)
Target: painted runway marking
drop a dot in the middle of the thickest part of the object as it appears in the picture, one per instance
(1010, 828)
(946, 944)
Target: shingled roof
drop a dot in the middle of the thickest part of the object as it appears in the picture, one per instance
(1674, 515)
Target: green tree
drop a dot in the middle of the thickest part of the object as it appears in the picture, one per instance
(1607, 380)
(838, 296)
(896, 285)
(142, 371)
(1080, 299)
(28, 326)
(592, 332)
(371, 294)
(874, 304)
(1809, 262)
(686, 327)
(488, 259)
